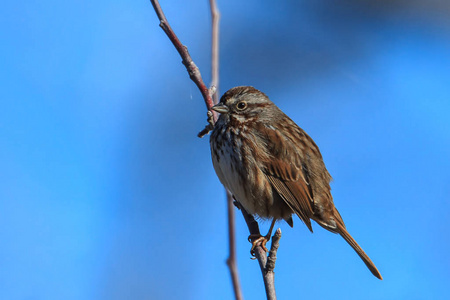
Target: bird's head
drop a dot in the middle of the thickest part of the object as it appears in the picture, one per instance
(242, 103)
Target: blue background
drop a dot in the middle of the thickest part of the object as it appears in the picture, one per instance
(107, 193)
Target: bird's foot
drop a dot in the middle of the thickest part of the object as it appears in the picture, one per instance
(258, 240)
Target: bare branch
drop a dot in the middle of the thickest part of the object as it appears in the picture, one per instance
(232, 261)
(215, 17)
(267, 264)
(214, 91)
(194, 72)
(209, 127)
(210, 97)
(251, 222)
(270, 266)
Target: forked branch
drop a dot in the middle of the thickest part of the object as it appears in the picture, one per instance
(210, 96)
(266, 262)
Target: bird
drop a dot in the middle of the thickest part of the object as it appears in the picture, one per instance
(272, 167)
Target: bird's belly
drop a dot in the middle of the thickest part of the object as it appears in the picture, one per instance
(249, 186)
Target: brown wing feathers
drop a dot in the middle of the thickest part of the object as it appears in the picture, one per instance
(288, 179)
(301, 207)
(293, 185)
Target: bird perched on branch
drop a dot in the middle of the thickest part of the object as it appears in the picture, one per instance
(272, 167)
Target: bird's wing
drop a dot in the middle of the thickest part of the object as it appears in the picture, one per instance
(284, 169)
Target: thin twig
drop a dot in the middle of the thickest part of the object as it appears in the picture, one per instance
(270, 266)
(267, 264)
(215, 17)
(194, 72)
(251, 222)
(231, 261)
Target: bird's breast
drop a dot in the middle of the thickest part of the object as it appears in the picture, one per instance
(235, 164)
(228, 162)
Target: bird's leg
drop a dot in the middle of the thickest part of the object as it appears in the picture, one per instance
(257, 239)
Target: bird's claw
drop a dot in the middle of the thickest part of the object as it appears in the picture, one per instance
(258, 240)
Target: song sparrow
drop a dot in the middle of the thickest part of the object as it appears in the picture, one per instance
(272, 167)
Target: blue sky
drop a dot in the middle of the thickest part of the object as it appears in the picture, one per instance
(107, 193)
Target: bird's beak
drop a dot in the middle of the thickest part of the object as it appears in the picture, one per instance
(220, 108)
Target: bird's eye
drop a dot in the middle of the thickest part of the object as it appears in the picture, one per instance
(241, 105)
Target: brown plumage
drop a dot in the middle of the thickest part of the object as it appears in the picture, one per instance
(271, 166)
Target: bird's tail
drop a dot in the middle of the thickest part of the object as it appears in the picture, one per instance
(344, 233)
